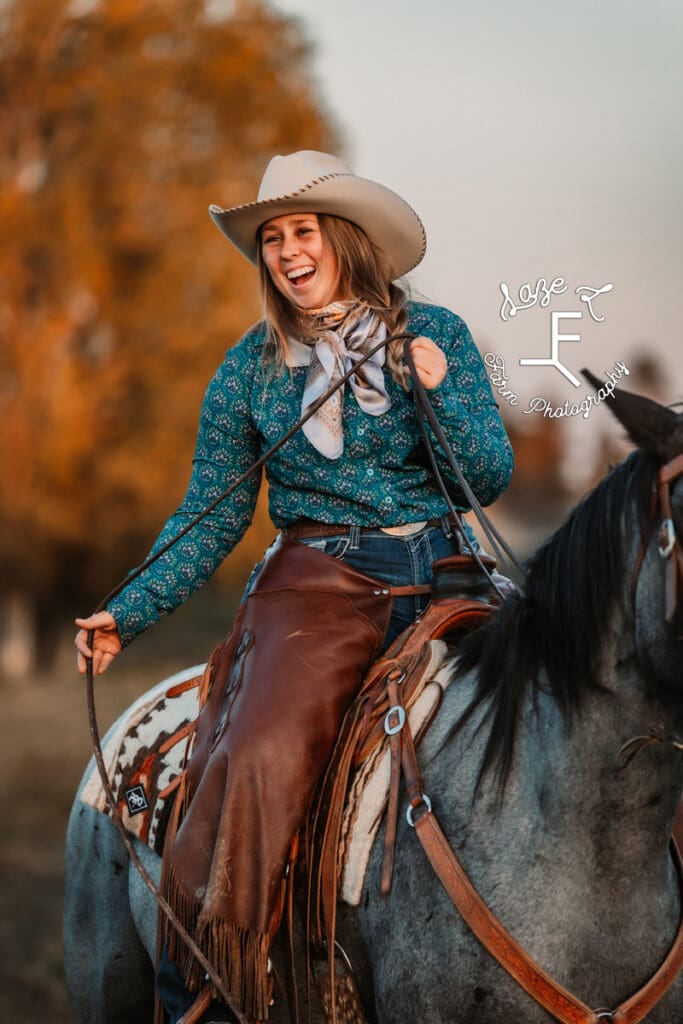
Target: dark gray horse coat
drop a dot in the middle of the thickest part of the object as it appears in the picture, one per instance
(564, 834)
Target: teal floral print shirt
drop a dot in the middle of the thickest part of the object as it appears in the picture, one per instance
(383, 477)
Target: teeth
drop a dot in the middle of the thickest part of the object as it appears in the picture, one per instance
(292, 274)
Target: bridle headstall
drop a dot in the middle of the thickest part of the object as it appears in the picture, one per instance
(668, 543)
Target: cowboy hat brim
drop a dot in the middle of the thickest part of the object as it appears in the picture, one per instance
(388, 221)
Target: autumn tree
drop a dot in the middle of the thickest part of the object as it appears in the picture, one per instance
(121, 121)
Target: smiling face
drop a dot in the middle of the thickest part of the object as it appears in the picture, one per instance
(301, 261)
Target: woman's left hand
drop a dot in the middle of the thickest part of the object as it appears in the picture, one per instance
(430, 362)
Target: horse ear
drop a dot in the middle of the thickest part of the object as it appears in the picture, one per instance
(654, 427)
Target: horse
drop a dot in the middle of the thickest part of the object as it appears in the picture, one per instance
(554, 767)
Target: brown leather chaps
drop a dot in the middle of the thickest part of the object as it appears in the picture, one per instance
(274, 697)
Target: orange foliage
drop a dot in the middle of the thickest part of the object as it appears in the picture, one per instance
(118, 296)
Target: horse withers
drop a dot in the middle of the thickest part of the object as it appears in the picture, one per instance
(554, 768)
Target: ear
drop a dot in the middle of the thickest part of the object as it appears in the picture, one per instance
(654, 427)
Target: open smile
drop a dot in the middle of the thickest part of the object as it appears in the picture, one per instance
(300, 275)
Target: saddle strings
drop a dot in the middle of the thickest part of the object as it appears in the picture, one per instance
(424, 409)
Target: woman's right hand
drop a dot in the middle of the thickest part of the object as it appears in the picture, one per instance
(106, 643)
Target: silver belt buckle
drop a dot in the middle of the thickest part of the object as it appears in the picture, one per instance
(405, 530)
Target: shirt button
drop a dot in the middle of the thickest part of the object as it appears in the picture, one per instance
(371, 471)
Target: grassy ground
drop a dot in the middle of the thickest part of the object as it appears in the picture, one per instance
(44, 749)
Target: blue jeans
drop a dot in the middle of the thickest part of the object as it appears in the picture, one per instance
(398, 561)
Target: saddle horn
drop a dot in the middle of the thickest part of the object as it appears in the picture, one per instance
(650, 425)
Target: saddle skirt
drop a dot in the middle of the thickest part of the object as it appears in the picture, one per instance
(369, 787)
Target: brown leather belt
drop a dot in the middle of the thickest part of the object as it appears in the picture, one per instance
(303, 528)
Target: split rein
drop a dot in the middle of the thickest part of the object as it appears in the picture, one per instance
(425, 414)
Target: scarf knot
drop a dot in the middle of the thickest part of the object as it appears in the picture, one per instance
(339, 335)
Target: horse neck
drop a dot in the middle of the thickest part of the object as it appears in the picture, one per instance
(622, 796)
(570, 783)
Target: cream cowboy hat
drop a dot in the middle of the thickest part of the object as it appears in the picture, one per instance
(311, 182)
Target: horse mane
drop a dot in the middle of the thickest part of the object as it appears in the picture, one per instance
(549, 637)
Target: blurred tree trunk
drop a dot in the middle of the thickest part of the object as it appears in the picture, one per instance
(120, 123)
(18, 635)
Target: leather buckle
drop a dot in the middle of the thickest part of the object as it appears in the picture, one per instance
(424, 802)
(667, 538)
(400, 713)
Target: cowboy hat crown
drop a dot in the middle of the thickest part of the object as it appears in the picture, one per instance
(311, 182)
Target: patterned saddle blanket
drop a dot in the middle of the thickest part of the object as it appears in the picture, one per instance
(145, 753)
(146, 750)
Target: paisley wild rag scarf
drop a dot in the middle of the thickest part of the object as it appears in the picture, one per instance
(338, 335)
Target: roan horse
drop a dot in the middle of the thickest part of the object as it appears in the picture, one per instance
(560, 820)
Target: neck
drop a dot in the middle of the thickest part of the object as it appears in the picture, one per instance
(336, 308)
(572, 782)
(619, 796)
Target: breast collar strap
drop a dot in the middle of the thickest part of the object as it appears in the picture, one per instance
(557, 1000)
(519, 965)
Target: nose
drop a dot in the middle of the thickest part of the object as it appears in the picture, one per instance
(290, 247)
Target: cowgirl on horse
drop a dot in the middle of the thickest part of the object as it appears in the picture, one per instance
(361, 521)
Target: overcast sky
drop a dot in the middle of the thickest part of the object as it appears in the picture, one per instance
(535, 139)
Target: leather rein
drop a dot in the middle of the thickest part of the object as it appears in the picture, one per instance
(425, 411)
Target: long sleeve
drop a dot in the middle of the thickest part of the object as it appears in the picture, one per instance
(227, 444)
(466, 410)
(381, 479)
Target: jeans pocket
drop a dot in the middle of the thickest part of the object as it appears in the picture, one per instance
(335, 547)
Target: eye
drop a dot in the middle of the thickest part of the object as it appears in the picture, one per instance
(267, 239)
(305, 231)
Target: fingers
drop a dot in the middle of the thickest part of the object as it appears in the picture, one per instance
(422, 342)
(100, 620)
(430, 362)
(106, 643)
(82, 648)
(104, 663)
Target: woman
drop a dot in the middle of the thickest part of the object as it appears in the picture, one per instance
(353, 483)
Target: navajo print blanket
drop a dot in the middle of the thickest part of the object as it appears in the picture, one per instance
(146, 750)
(145, 753)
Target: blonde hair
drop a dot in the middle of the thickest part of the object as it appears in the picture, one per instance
(363, 274)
